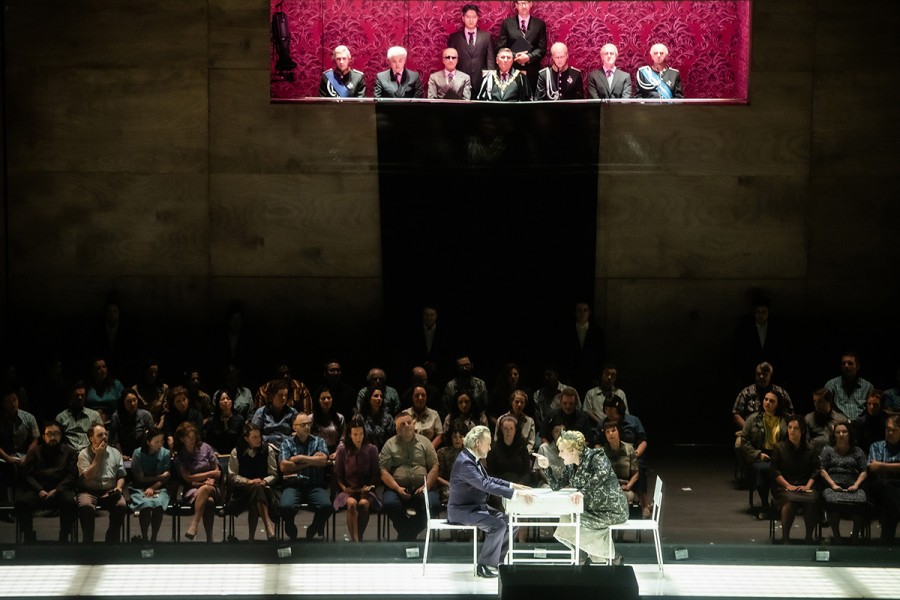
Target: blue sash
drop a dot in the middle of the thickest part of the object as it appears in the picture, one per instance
(339, 88)
(654, 78)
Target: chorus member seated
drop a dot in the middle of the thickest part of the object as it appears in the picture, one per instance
(426, 420)
(48, 476)
(298, 398)
(749, 400)
(447, 454)
(869, 427)
(762, 431)
(568, 415)
(357, 471)
(551, 451)
(525, 424)
(844, 469)
(198, 468)
(241, 397)
(464, 409)
(327, 423)
(226, 427)
(547, 397)
(276, 419)
(465, 382)
(252, 470)
(101, 481)
(505, 84)
(658, 80)
(449, 83)
(377, 377)
(820, 422)
(499, 398)
(19, 434)
(407, 460)
(419, 378)
(148, 493)
(610, 81)
(343, 394)
(526, 36)
(470, 487)
(589, 471)
(76, 420)
(559, 81)
(850, 390)
(152, 392)
(596, 396)
(103, 390)
(633, 432)
(474, 46)
(129, 424)
(884, 478)
(342, 81)
(303, 459)
(509, 458)
(198, 399)
(892, 396)
(378, 422)
(180, 411)
(622, 458)
(795, 467)
(398, 81)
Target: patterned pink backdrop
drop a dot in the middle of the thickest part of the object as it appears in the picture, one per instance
(708, 41)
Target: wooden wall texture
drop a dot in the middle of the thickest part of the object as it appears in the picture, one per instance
(142, 154)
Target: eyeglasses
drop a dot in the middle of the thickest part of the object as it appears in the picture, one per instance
(450, 57)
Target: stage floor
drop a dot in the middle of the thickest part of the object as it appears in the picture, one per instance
(441, 580)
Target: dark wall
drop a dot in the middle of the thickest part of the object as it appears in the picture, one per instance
(142, 155)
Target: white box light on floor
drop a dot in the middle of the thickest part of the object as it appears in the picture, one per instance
(681, 553)
(284, 552)
(823, 555)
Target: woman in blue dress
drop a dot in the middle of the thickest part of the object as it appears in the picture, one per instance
(150, 465)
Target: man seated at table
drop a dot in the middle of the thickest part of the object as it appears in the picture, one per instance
(449, 83)
(470, 486)
(505, 84)
(342, 81)
(398, 81)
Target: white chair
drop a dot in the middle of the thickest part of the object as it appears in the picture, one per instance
(651, 524)
(439, 524)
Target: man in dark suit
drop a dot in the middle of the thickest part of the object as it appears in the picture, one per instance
(474, 46)
(609, 82)
(534, 31)
(470, 486)
(342, 81)
(398, 81)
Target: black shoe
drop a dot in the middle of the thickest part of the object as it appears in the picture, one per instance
(484, 571)
(290, 530)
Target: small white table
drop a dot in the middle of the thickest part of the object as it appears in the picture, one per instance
(546, 511)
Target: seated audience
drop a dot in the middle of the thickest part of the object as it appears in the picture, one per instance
(632, 431)
(505, 84)
(821, 422)
(610, 81)
(149, 488)
(152, 393)
(446, 456)
(463, 408)
(850, 390)
(198, 468)
(406, 460)
(622, 458)
(298, 396)
(129, 423)
(226, 427)
(391, 399)
(197, 398)
(378, 422)
(869, 427)
(884, 478)
(426, 420)
(48, 476)
(843, 469)
(104, 389)
(546, 398)
(397, 81)
(658, 80)
(252, 471)
(795, 466)
(357, 471)
(524, 423)
(448, 83)
(76, 420)
(303, 458)
(342, 393)
(419, 378)
(179, 412)
(101, 483)
(342, 81)
(568, 415)
(499, 397)
(19, 434)
(276, 419)
(559, 81)
(595, 397)
(509, 458)
(465, 382)
(241, 397)
(551, 451)
(762, 431)
(749, 400)
(892, 396)
(327, 423)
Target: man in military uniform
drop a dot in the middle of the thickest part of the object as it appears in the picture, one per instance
(342, 81)
(560, 81)
(659, 80)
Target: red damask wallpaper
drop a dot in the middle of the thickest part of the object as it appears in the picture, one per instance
(708, 41)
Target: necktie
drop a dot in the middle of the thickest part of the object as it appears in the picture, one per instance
(471, 38)
(504, 77)
(609, 73)
(523, 27)
(399, 78)
(450, 78)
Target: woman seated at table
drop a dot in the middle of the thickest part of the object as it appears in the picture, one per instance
(588, 471)
(225, 428)
(357, 472)
(794, 469)
(378, 423)
(198, 467)
(149, 494)
(843, 469)
(252, 469)
(622, 458)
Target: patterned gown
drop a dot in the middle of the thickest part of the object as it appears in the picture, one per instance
(604, 502)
